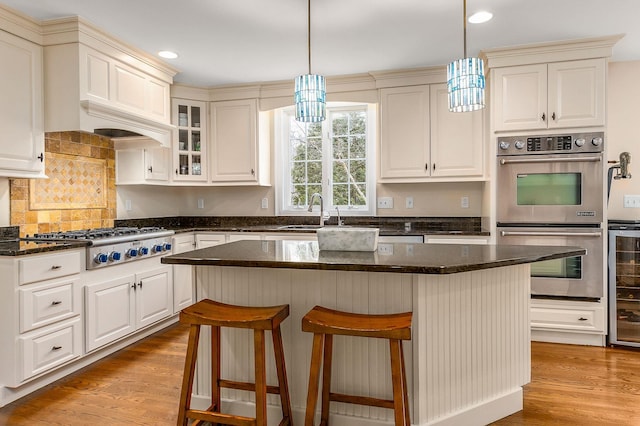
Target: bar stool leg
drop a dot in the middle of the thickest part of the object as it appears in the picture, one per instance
(285, 400)
(326, 378)
(400, 408)
(215, 369)
(407, 417)
(261, 378)
(314, 377)
(189, 372)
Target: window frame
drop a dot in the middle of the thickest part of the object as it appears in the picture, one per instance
(282, 146)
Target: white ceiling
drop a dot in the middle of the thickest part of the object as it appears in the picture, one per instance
(240, 41)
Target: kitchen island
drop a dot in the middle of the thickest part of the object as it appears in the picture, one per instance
(470, 350)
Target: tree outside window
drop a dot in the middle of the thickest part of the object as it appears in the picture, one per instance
(333, 158)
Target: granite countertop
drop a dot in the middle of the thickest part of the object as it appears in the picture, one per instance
(396, 257)
(20, 247)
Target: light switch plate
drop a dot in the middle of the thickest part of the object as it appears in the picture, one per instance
(385, 202)
(632, 201)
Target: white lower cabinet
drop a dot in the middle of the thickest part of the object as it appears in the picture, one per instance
(183, 284)
(40, 314)
(210, 239)
(119, 306)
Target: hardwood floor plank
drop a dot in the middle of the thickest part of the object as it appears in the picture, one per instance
(140, 385)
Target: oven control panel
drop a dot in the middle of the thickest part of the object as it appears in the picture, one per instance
(551, 144)
(101, 256)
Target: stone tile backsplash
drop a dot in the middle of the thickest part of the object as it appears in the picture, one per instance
(62, 212)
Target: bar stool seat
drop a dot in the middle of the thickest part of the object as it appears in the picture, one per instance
(324, 323)
(210, 313)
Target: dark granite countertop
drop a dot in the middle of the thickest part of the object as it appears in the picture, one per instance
(397, 257)
(19, 247)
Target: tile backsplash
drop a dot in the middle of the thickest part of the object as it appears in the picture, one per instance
(80, 192)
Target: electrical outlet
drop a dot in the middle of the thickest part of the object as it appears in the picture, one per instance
(385, 202)
(464, 202)
(201, 203)
(632, 201)
(127, 205)
(409, 202)
(385, 249)
(265, 203)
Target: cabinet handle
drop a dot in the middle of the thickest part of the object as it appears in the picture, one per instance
(544, 116)
(41, 157)
(140, 284)
(582, 319)
(553, 116)
(150, 169)
(134, 286)
(253, 172)
(176, 171)
(55, 267)
(434, 167)
(56, 302)
(426, 167)
(56, 348)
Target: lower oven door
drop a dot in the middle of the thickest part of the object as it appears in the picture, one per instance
(575, 277)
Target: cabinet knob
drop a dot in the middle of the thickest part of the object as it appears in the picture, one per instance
(150, 169)
(426, 167)
(253, 172)
(434, 167)
(41, 157)
(553, 116)
(134, 286)
(544, 116)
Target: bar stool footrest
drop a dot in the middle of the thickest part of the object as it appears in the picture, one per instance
(226, 419)
(246, 386)
(361, 400)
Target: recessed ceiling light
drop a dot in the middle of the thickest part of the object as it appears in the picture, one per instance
(167, 54)
(480, 17)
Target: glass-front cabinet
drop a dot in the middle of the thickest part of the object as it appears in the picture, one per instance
(189, 147)
(624, 287)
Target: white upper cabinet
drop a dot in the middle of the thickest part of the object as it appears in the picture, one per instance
(190, 141)
(240, 152)
(554, 95)
(21, 108)
(456, 138)
(137, 166)
(421, 140)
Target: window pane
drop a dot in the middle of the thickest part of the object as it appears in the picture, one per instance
(314, 172)
(311, 189)
(298, 173)
(358, 195)
(340, 148)
(340, 174)
(298, 196)
(358, 122)
(340, 194)
(298, 150)
(358, 147)
(340, 124)
(358, 170)
(314, 149)
(314, 130)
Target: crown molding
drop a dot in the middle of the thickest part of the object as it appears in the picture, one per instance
(20, 25)
(557, 51)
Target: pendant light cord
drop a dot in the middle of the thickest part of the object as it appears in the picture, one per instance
(464, 26)
(309, 32)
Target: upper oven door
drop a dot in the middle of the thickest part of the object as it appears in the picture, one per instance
(550, 188)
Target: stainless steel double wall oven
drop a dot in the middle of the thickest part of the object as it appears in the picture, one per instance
(550, 191)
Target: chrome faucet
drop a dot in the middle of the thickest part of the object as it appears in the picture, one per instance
(313, 198)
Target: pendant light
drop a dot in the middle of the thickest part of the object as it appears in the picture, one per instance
(310, 89)
(465, 78)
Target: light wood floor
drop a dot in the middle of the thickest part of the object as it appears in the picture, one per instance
(571, 385)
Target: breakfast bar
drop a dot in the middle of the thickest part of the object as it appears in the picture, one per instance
(469, 354)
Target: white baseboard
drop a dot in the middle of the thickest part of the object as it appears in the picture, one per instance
(568, 338)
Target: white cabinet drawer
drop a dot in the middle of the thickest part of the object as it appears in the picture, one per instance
(569, 319)
(49, 348)
(48, 266)
(43, 304)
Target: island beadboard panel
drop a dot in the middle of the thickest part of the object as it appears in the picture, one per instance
(76, 164)
(458, 368)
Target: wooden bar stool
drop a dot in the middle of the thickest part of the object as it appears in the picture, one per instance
(324, 323)
(216, 315)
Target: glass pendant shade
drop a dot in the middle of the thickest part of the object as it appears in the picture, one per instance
(310, 98)
(465, 84)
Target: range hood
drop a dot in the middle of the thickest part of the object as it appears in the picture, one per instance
(97, 84)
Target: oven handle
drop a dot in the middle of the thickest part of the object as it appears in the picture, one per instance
(549, 234)
(504, 161)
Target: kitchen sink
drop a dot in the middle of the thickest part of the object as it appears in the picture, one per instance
(298, 227)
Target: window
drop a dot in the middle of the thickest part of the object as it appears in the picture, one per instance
(334, 158)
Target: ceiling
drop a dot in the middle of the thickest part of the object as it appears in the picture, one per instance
(242, 41)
